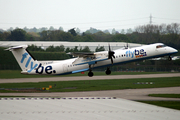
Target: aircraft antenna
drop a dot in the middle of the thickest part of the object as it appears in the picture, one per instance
(150, 17)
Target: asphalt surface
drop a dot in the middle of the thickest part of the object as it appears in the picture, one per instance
(131, 94)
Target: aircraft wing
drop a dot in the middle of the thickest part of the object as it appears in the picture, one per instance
(90, 58)
(82, 54)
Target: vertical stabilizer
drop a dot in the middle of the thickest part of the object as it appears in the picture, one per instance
(24, 59)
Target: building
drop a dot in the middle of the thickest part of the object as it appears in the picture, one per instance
(92, 45)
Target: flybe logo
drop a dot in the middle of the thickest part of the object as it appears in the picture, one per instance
(29, 62)
(40, 69)
(136, 53)
(47, 69)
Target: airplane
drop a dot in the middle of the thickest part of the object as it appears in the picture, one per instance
(88, 61)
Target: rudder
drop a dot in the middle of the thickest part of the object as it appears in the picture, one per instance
(24, 59)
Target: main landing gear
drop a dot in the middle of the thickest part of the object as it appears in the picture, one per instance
(108, 71)
(90, 74)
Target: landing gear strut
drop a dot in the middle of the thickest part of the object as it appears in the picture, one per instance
(108, 71)
(90, 74)
(169, 58)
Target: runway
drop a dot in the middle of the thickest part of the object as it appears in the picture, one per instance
(131, 94)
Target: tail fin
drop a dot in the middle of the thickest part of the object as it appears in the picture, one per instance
(24, 58)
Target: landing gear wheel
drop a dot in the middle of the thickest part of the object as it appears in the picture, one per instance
(90, 74)
(169, 58)
(108, 71)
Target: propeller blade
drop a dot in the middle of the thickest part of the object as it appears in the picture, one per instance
(113, 56)
(111, 60)
(126, 46)
(109, 48)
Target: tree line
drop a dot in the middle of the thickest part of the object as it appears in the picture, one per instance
(144, 34)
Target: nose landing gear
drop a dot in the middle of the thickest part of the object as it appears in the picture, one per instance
(169, 58)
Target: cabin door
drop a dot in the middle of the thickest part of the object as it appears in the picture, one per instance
(65, 68)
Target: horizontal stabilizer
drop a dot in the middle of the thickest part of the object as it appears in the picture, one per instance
(17, 47)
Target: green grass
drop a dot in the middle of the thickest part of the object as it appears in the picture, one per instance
(8, 74)
(168, 104)
(96, 85)
(165, 95)
(14, 96)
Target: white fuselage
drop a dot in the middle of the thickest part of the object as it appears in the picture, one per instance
(121, 56)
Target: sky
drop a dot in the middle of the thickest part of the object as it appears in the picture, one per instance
(83, 14)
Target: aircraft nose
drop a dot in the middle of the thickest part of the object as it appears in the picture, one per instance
(172, 50)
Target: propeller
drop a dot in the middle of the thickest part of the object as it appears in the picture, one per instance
(111, 54)
(126, 47)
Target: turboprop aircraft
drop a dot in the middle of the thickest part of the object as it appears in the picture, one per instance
(88, 61)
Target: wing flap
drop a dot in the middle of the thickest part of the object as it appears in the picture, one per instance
(81, 54)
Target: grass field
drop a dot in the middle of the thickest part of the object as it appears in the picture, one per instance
(168, 104)
(8, 74)
(165, 95)
(96, 85)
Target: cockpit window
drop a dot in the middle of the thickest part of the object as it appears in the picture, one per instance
(160, 46)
